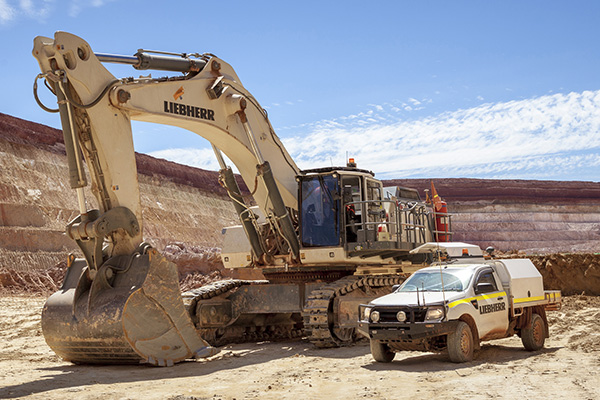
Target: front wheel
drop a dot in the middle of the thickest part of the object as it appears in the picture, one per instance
(534, 336)
(460, 344)
(381, 352)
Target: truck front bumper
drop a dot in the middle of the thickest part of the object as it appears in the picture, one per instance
(412, 331)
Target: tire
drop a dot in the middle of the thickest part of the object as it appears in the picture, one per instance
(461, 344)
(381, 352)
(534, 336)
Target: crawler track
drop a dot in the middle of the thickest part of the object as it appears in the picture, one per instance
(319, 321)
(214, 289)
(237, 333)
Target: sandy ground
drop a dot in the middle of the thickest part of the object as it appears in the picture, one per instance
(569, 367)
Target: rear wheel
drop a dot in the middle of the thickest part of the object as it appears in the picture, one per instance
(460, 344)
(534, 336)
(381, 352)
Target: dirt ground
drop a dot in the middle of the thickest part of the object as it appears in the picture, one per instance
(568, 367)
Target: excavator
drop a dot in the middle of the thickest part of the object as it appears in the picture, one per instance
(325, 239)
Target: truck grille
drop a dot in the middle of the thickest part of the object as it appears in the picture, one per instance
(413, 314)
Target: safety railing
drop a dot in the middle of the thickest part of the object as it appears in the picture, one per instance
(408, 224)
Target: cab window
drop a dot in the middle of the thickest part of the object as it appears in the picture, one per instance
(485, 283)
(319, 212)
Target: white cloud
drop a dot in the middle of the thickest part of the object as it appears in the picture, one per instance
(559, 166)
(74, 8)
(36, 10)
(41, 9)
(7, 13)
(546, 136)
(200, 158)
(77, 6)
(550, 137)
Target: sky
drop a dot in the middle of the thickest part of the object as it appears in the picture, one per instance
(410, 89)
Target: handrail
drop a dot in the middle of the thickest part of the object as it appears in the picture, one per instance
(409, 224)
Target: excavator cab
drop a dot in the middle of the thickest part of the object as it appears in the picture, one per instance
(338, 206)
(347, 208)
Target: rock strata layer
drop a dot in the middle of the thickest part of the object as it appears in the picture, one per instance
(521, 215)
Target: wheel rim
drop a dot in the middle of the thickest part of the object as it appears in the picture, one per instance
(465, 343)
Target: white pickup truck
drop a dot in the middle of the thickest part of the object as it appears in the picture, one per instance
(455, 307)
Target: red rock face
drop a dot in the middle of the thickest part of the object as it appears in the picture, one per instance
(180, 203)
(512, 215)
(508, 191)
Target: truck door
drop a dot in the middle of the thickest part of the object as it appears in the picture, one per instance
(492, 306)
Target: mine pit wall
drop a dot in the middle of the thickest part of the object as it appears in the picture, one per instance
(533, 217)
(528, 227)
(36, 201)
(35, 204)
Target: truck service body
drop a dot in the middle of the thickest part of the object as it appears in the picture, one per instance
(467, 303)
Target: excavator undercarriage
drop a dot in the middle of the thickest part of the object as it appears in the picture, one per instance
(324, 311)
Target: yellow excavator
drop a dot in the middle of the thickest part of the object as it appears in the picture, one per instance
(325, 239)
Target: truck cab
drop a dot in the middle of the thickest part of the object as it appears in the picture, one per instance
(454, 307)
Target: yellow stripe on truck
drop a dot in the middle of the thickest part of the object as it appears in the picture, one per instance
(481, 297)
(528, 299)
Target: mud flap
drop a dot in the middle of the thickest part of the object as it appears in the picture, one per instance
(131, 312)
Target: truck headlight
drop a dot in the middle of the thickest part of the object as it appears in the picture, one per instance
(366, 313)
(375, 316)
(401, 316)
(434, 314)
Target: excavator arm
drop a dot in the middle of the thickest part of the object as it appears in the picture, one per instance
(122, 303)
(208, 100)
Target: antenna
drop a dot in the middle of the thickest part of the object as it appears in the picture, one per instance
(443, 287)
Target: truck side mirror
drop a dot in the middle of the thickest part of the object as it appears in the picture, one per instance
(484, 287)
(395, 287)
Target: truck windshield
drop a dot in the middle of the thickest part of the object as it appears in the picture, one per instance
(436, 281)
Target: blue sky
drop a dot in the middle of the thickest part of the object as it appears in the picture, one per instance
(479, 89)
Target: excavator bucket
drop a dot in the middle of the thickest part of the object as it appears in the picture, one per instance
(130, 312)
